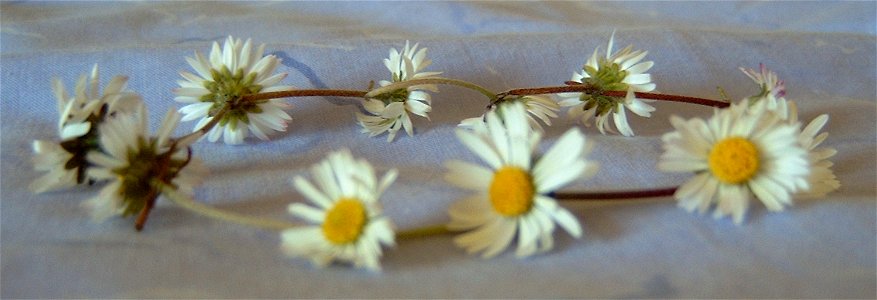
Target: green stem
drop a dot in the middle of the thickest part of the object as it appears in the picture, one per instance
(185, 202)
(171, 194)
(303, 93)
(431, 80)
(422, 232)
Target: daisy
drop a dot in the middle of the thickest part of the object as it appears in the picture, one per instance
(619, 71)
(132, 162)
(389, 112)
(772, 99)
(735, 156)
(513, 193)
(64, 162)
(221, 81)
(349, 225)
(538, 106)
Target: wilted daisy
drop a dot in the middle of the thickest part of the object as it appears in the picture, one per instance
(620, 71)
(349, 225)
(735, 156)
(134, 162)
(772, 91)
(388, 112)
(81, 114)
(538, 107)
(513, 193)
(221, 81)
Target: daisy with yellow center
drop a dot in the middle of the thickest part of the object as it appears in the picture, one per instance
(222, 80)
(735, 156)
(349, 225)
(620, 71)
(513, 195)
(389, 112)
(771, 100)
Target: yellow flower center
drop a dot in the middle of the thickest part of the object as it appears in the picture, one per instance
(734, 160)
(511, 191)
(344, 221)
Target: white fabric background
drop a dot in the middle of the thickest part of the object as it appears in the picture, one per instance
(818, 248)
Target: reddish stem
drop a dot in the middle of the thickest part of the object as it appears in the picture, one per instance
(583, 88)
(144, 214)
(624, 195)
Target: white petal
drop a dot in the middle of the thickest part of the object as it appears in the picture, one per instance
(308, 213)
(467, 175)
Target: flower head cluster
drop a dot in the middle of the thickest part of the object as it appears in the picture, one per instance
(388, 112)
(620, 71)
(772, 100)
(220, 84)
(538, 107)
(135, 164)
(512, 194)
(80, 117)
(349, 225)
(735, 155)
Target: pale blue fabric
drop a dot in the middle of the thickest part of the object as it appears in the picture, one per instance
(823, 248)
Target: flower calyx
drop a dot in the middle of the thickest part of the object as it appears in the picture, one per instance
(147, 169)
(228, 89)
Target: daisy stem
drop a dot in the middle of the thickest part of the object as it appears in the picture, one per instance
(572, 87)
(188, 203)
(171, 194)
(140, 222)
(623, 195)
(422, 232)
(303, 93)
(431, 80)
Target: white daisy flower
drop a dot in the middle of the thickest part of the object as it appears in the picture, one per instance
(132, 161)
(513, 193)
(620, 71)
(65, 161)
(389, 112)
(772, 99)
(229, 74)
(349, 225)
(538, 107)
(735, 155)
